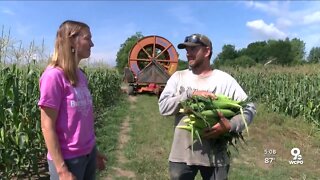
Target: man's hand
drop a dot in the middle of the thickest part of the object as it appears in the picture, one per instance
(101, 161)
(204, 94)
(223, 126)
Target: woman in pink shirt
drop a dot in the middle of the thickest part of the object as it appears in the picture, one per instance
(66, 107)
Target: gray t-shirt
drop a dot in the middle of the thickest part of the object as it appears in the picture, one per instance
(180, 87)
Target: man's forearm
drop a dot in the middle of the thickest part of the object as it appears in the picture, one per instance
(170, 104)
(237, 124)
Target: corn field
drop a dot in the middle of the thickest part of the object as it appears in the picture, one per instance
(290, 92)
(22, 147)
(21, 144)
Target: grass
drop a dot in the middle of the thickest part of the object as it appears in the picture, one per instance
(281, 133)
(148, 149)
(151, 135)
(107, 131)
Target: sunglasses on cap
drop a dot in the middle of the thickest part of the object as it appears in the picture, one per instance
(194, 39)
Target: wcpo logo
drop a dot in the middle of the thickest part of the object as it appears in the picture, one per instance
(297, 157)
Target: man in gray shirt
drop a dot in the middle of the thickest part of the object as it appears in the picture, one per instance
(210, 157)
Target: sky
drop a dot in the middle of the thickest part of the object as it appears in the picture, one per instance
(238, 23)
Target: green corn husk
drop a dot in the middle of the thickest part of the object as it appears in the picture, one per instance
(203, 113)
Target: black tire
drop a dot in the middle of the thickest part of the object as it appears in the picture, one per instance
(130, 90)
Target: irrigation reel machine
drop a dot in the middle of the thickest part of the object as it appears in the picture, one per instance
(151, 61)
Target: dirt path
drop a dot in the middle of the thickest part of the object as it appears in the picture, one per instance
(122, 141)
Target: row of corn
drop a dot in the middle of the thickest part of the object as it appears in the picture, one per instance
(21, 143)
(203, 113)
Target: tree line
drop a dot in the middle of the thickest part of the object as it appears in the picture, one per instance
(286, 52)
(280, 52)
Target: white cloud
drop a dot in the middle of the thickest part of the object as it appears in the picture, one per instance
(7, 11)
(284, 14)
(298, 19)
(265, 30)
(279, 11)
(272, 7)
(284, 22)
(312, 18)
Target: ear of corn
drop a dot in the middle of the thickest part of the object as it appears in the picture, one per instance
(222, 104)
(213, 113)
(203, 113)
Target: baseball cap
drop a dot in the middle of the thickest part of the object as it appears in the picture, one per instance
(195, 40)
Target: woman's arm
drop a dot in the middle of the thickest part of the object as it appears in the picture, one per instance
(48, 121)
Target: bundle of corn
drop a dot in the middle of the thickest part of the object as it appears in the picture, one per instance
(203, 113)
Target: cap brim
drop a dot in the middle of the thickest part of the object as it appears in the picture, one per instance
(184, 45)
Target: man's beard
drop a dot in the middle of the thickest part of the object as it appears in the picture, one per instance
(196, 63)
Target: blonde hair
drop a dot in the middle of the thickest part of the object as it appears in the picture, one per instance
(64, 55)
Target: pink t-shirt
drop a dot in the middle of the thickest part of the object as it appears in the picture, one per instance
(74, 124)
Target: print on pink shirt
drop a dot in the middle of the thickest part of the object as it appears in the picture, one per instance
(83, 100)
